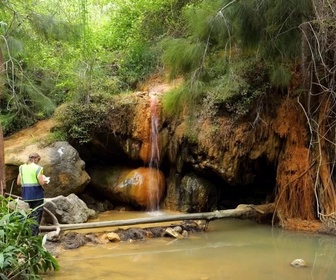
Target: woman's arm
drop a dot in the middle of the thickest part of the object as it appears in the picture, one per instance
(41, 180)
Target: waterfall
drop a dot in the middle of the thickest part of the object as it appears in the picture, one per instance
(154, 160)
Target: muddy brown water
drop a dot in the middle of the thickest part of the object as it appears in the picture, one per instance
(230, 249)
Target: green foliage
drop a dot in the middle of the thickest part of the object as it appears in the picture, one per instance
(245, 81)
(181, 56)
(231, 89)
(280, 75)
(173, 100)
(120, 33)
(63, 51)
(23, 103)
(58, 52)
(187, 95)
(273, 27)
(165, 21)
(28, 39)
(138, 63)
(131, 31)
(22, 255)
(80, 121)
(228, 43)
(205, 23)
(54, 29)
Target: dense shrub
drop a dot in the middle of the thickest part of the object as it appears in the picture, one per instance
(80, 121)
(22, 256)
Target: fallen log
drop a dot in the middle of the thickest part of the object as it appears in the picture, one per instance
(242, 211)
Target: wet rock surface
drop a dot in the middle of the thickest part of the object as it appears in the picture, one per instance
(73, 240)
(141, 187)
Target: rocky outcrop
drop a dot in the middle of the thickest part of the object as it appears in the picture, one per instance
(197, 195)
(201, 160)
(234, 155)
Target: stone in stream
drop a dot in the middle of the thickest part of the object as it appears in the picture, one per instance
(171, 232)
(299, 263)
(113, 237)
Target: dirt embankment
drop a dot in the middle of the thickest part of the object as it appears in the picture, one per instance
(38, 133)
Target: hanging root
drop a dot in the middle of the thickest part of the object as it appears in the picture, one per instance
(320, 107)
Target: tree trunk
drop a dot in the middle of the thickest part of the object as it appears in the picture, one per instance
(242, 212)
(2, 163)
(2, 149)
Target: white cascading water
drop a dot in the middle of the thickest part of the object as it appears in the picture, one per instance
(154, 161)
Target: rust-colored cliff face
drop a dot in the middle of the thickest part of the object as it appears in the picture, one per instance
(238, 152)
(265, 157)
(295, 192)
(265, 154)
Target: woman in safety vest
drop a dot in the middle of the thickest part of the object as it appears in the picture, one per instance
(32, 180)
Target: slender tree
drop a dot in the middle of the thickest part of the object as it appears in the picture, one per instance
(2, 150)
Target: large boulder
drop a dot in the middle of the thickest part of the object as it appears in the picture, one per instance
(193, 194)
(68, 210)
(197, 194)
(142, 187)
(61, 162)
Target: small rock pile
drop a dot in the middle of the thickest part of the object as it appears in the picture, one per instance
(74, 240)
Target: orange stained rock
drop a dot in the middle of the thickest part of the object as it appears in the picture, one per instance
(144, 185)
(145, 152)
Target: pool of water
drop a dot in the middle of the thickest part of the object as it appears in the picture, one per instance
(231, 249)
